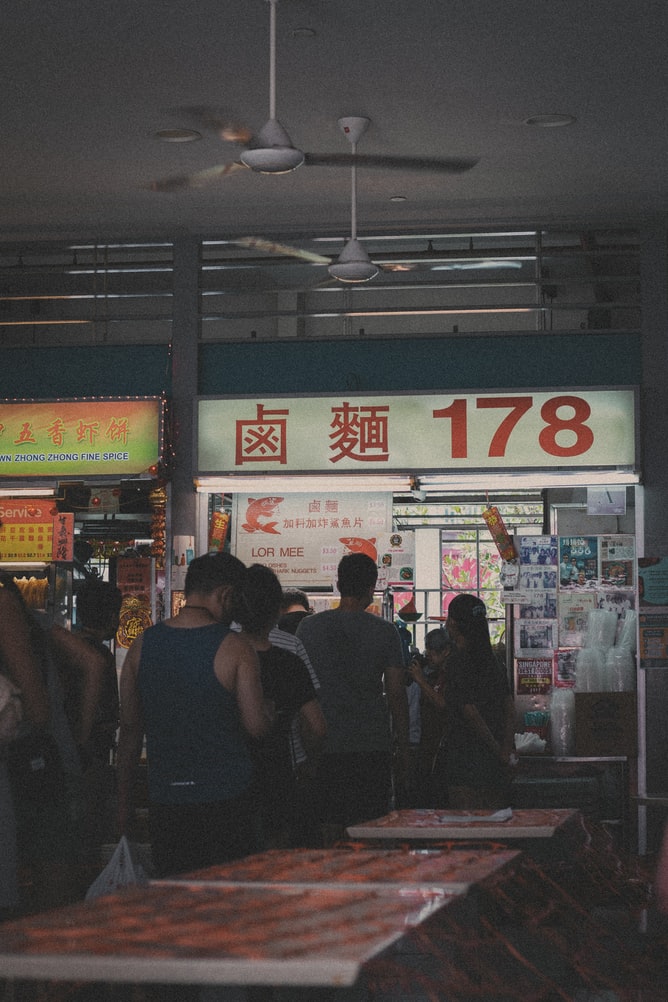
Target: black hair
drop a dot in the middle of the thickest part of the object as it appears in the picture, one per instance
(470, 615)
(437, 641)
(294, 596)
(357, 573)
(97, 603)
(212, 570)
(261, 596)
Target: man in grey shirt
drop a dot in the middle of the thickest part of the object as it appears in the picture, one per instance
(358, 659)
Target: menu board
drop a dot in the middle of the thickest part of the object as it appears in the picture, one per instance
(302, 537)
(32, 530)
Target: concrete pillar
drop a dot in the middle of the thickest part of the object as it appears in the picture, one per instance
(185, 344)
(654, 399)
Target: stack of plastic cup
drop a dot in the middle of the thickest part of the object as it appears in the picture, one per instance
(620, 669)
(601, 628)
(627, 630)
(590, 670)
(562, 722)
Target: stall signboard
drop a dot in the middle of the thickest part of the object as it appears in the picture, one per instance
(32, 530)
(61, 438)
(302, 537)
(510, 431)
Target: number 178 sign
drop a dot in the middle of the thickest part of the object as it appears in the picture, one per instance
(503, 430)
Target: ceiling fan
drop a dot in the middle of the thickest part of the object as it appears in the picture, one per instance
(271, 150)
(353, 263)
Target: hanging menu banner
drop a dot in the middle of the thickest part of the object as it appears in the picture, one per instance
(302, 537)
(424, 431)
(79, 437)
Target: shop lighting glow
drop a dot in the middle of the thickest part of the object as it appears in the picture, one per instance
(536, 480)
(302, 484)
(27, 492)
(439, 313)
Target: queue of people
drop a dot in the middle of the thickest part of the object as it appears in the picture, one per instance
(256, 736)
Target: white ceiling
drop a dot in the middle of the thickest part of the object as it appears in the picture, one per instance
(86, 84)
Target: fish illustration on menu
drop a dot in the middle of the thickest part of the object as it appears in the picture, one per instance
(258, 510)
(355, 544)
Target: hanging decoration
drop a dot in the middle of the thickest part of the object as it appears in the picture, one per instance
(218, 527)
(502, 538)
(158, 500)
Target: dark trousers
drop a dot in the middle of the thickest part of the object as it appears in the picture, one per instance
(353, 787)
(191, 836)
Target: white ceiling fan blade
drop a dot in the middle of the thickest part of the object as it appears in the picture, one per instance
(199, 179)
(284, 250)
(216, 121)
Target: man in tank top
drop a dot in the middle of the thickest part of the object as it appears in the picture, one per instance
(192, 687)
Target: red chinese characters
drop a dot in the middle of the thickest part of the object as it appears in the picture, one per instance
(360, 433)
(263, 439)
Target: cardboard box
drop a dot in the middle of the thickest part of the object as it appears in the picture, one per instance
(606, 723)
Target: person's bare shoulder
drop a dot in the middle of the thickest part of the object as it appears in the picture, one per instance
(235, 654)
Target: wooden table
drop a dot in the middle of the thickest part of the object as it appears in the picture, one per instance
(222, 935)
(453, 872)
(524, 829)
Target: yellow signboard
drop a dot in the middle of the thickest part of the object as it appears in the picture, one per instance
(33, 530)
(79, 437)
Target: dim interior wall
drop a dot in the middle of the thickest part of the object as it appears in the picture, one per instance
(101, 371)
(568, 515)
(420, 363)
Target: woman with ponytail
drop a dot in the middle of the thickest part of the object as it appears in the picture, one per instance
(480, 712)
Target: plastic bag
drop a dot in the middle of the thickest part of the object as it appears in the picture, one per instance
(121, 871)
(11, 710)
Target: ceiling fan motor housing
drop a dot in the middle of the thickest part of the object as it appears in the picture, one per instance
(272, 153)
(353, 264)
(353, 127)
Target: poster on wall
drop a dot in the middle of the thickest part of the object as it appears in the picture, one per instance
(593, 604)
(535, 635)
(618, 555)
(537, 550)
(396, 559)
(574, 609)
(302, 537)
(578, 560)
(538, 605)
(565, 663)
(653, 611)
(534, 676)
